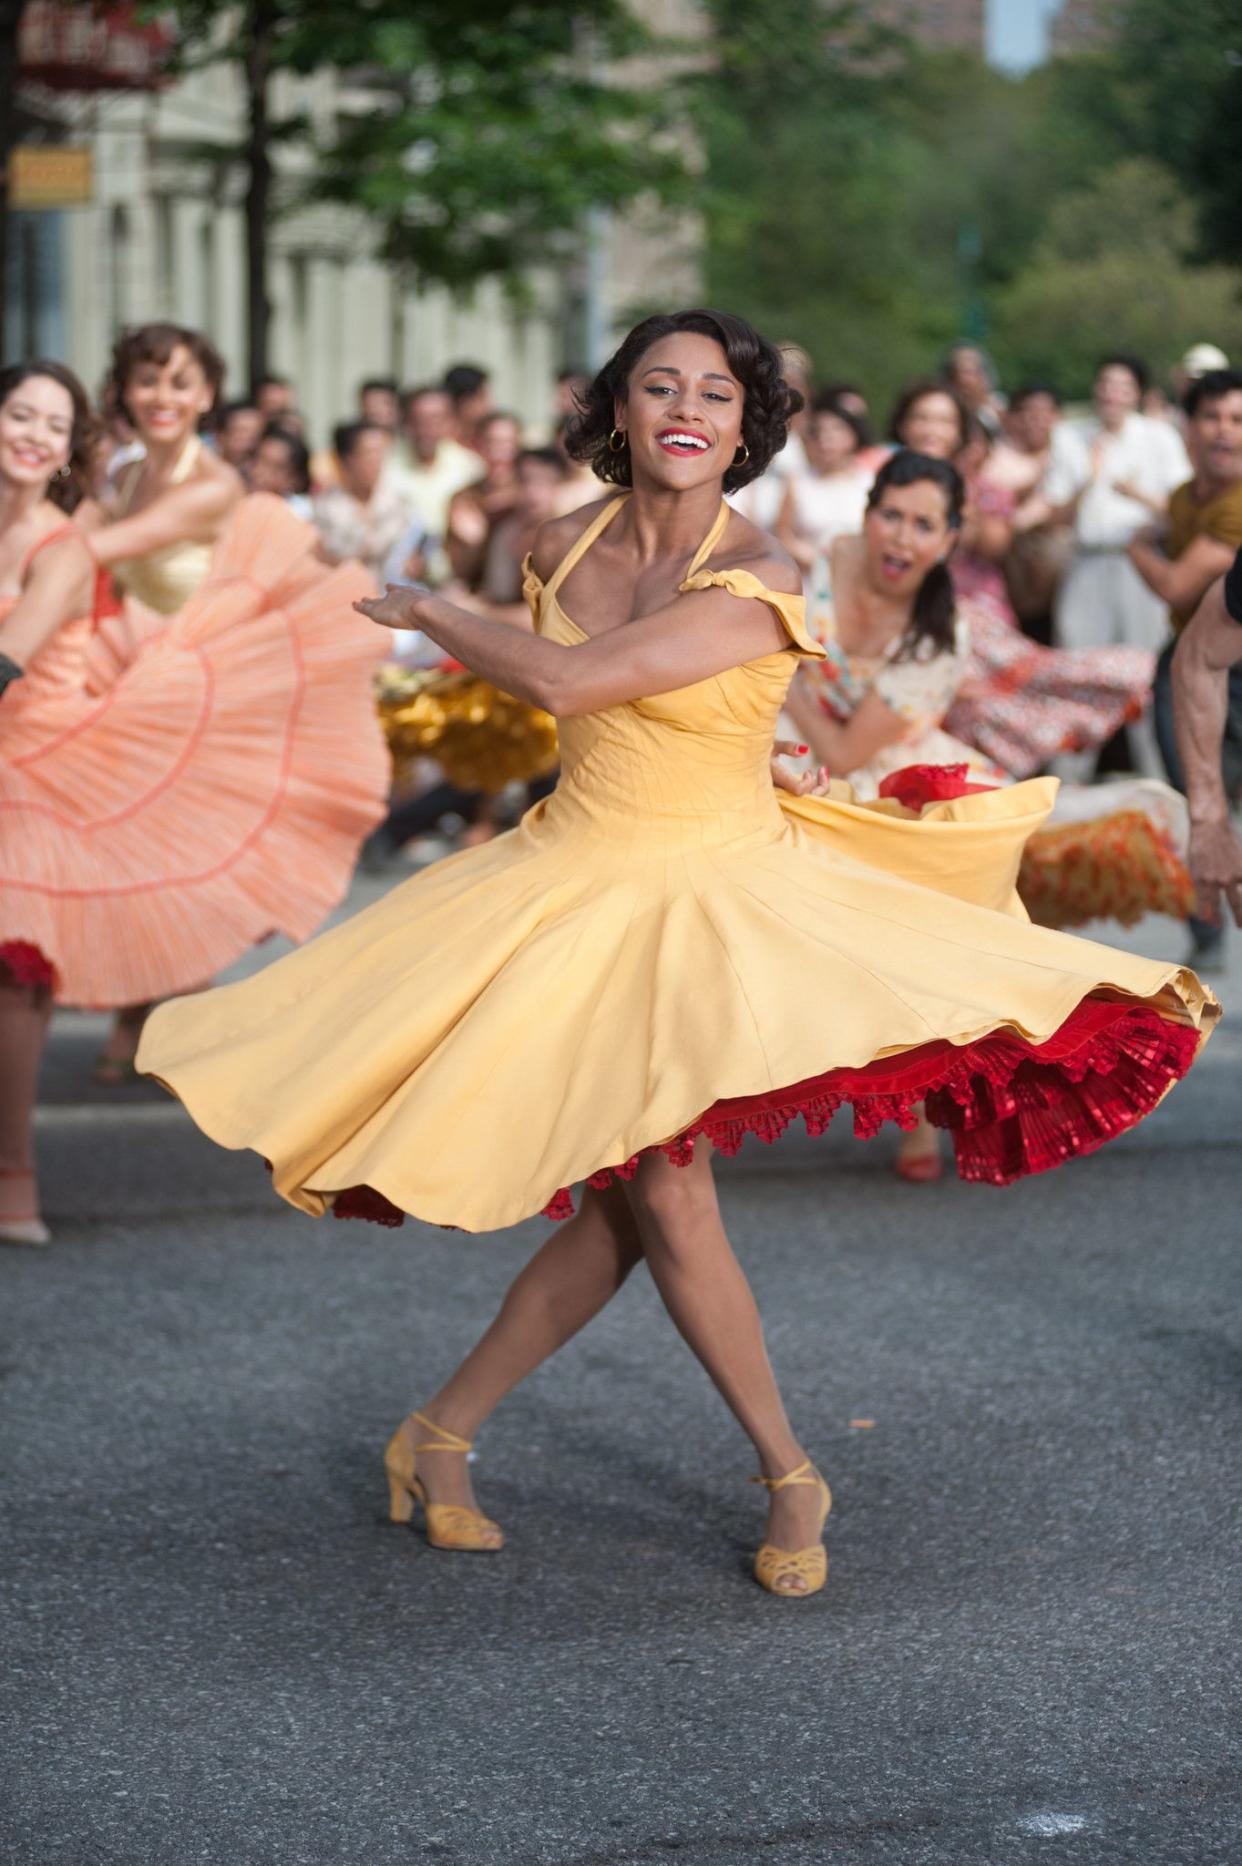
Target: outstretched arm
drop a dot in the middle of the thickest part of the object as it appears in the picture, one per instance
(59, 586)
(697, 635)
(193, 512)
(1210, 646)
(1182, 582)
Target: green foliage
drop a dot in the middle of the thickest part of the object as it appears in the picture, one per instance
(1111, 272)
(1185, 61)
(476, 136)
(873, 201)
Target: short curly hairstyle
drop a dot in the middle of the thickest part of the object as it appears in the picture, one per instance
(69, 490)
(769, 401)
(155, 343)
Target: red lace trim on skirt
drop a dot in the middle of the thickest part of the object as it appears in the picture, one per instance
(1012, 1107)
(23, 964)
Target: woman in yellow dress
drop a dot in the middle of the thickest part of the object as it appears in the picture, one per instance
(667, 954)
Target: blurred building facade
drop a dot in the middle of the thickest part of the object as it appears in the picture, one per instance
(159, 233)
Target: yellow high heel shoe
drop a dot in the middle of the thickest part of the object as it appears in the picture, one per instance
(775, 1568)
(449, 1525)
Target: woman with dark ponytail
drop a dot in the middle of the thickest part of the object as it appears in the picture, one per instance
(899, 650)
(882, 604)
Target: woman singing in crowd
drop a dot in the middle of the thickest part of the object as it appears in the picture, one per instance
(172, 793)
(898, 644)
(1018, 704)
(667, 954)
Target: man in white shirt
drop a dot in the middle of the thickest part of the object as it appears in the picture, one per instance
(426, 463)
(1109, 477)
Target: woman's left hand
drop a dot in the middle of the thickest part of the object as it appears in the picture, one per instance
(397, 607)
(798, 783)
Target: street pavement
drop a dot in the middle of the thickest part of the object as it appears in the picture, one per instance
(215, 1650)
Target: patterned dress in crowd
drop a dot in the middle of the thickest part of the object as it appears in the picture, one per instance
(1109, 851)
(1022, 705)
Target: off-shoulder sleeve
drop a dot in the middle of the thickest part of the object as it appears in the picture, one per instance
(532, 590)
(790, 609)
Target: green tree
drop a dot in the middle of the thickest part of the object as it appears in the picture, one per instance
(1185, 62)
(808, 172)
(1114, 270)
(480, 136)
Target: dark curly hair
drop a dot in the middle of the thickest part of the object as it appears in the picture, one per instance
(155, 343)
(769, 401)
(933, 613)
(1211, 387)
(67, 492)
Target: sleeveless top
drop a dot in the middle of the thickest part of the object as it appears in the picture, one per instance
(166, 578)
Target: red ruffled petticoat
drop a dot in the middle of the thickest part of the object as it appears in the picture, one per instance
(23, 964)
(1013, 1107)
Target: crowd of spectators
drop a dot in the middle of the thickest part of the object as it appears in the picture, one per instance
(1100, 524)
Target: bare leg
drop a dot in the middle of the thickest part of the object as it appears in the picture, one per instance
(24, 1015)
(115, 1060)
(921, 1142)
(706, 1293)
(567, 1282)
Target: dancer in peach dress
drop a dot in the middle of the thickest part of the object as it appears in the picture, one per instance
(159, 814)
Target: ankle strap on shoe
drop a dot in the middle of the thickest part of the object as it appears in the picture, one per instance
(447, 1441)
(804, 1474)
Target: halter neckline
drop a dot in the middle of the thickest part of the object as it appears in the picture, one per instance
(603, 519)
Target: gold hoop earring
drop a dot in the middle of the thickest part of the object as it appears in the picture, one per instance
(618, 434)
(745, 456)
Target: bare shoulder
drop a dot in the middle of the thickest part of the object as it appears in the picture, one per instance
(745, 547)
(557, 536)
(224, 479)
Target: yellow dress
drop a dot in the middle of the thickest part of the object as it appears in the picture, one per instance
(668, 946)
(165, 579)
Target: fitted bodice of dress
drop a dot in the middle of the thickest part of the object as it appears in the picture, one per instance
(166, 578)
(682, 770)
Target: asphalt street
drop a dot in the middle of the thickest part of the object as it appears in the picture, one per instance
(215, 1649)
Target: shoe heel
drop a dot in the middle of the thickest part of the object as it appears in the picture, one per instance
(400, 1500)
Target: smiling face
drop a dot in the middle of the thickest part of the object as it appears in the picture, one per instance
(682, 415)
(933, 425)
(36, 432)
(166, 401)
(904, 534)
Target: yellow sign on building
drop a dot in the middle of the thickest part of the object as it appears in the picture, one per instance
(43, 175)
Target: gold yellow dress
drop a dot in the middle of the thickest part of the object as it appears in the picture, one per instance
(166, 578)
(667, 947)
